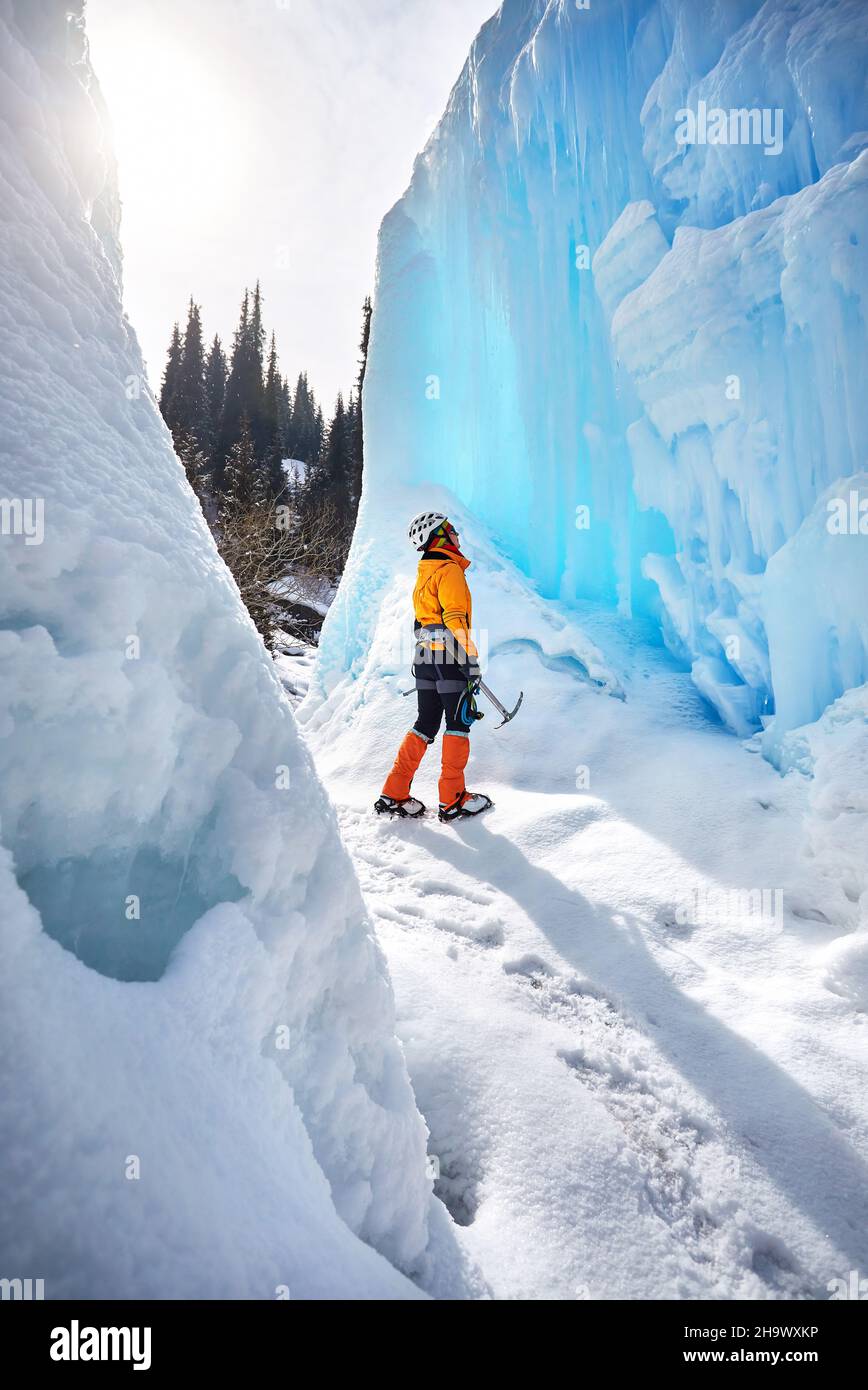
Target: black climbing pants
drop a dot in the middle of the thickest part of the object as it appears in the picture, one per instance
(440, 669)
(433, 706)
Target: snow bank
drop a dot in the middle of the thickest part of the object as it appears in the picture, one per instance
(833, 753)
(814, 605)
(202, 1092)
(639, 359)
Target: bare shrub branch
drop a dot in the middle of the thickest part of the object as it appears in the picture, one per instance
(284, 570)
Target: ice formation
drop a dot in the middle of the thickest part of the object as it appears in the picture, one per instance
(202, 1094)
(642, 360)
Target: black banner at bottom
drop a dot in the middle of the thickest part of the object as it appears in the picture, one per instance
(162, 1339)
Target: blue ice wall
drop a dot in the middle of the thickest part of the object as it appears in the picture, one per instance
(635, 350)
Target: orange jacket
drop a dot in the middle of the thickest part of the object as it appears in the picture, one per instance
(441, 597)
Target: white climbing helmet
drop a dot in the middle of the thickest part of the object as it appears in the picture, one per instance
(421, 527)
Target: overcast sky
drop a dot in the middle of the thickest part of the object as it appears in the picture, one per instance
(268, 138)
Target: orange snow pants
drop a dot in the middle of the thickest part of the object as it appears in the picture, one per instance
(455, 752)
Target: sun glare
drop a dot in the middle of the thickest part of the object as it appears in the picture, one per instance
(176, 127)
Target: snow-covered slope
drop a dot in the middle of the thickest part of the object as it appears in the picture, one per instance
(201, 1090)
(576, 310)
(633, 995)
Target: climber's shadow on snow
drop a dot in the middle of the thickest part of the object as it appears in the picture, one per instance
(780, 1124)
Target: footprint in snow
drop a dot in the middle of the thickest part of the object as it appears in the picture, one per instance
(451, 890)
(410, 909)
(530, 966)
(487, 932)
(667, 917)
(690, 1179)
(382, 862)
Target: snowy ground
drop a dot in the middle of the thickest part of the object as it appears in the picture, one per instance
(627, 1099)
(295, 663)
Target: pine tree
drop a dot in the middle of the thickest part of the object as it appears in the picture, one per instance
(294, 486)
(353, 469)
(190, 408)
(285, 415)
(215, 391)
(273, 461)
(303, 422)
(244, 387)
(257, 332)
(357, 445)
(196, 464)
(271, 393)
(240, 484)
(259, 423)
(325, 496)
(233, 402)
(171, 376)
(333, 474)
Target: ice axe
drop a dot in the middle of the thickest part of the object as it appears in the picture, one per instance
(490, 695)
(501, 709)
